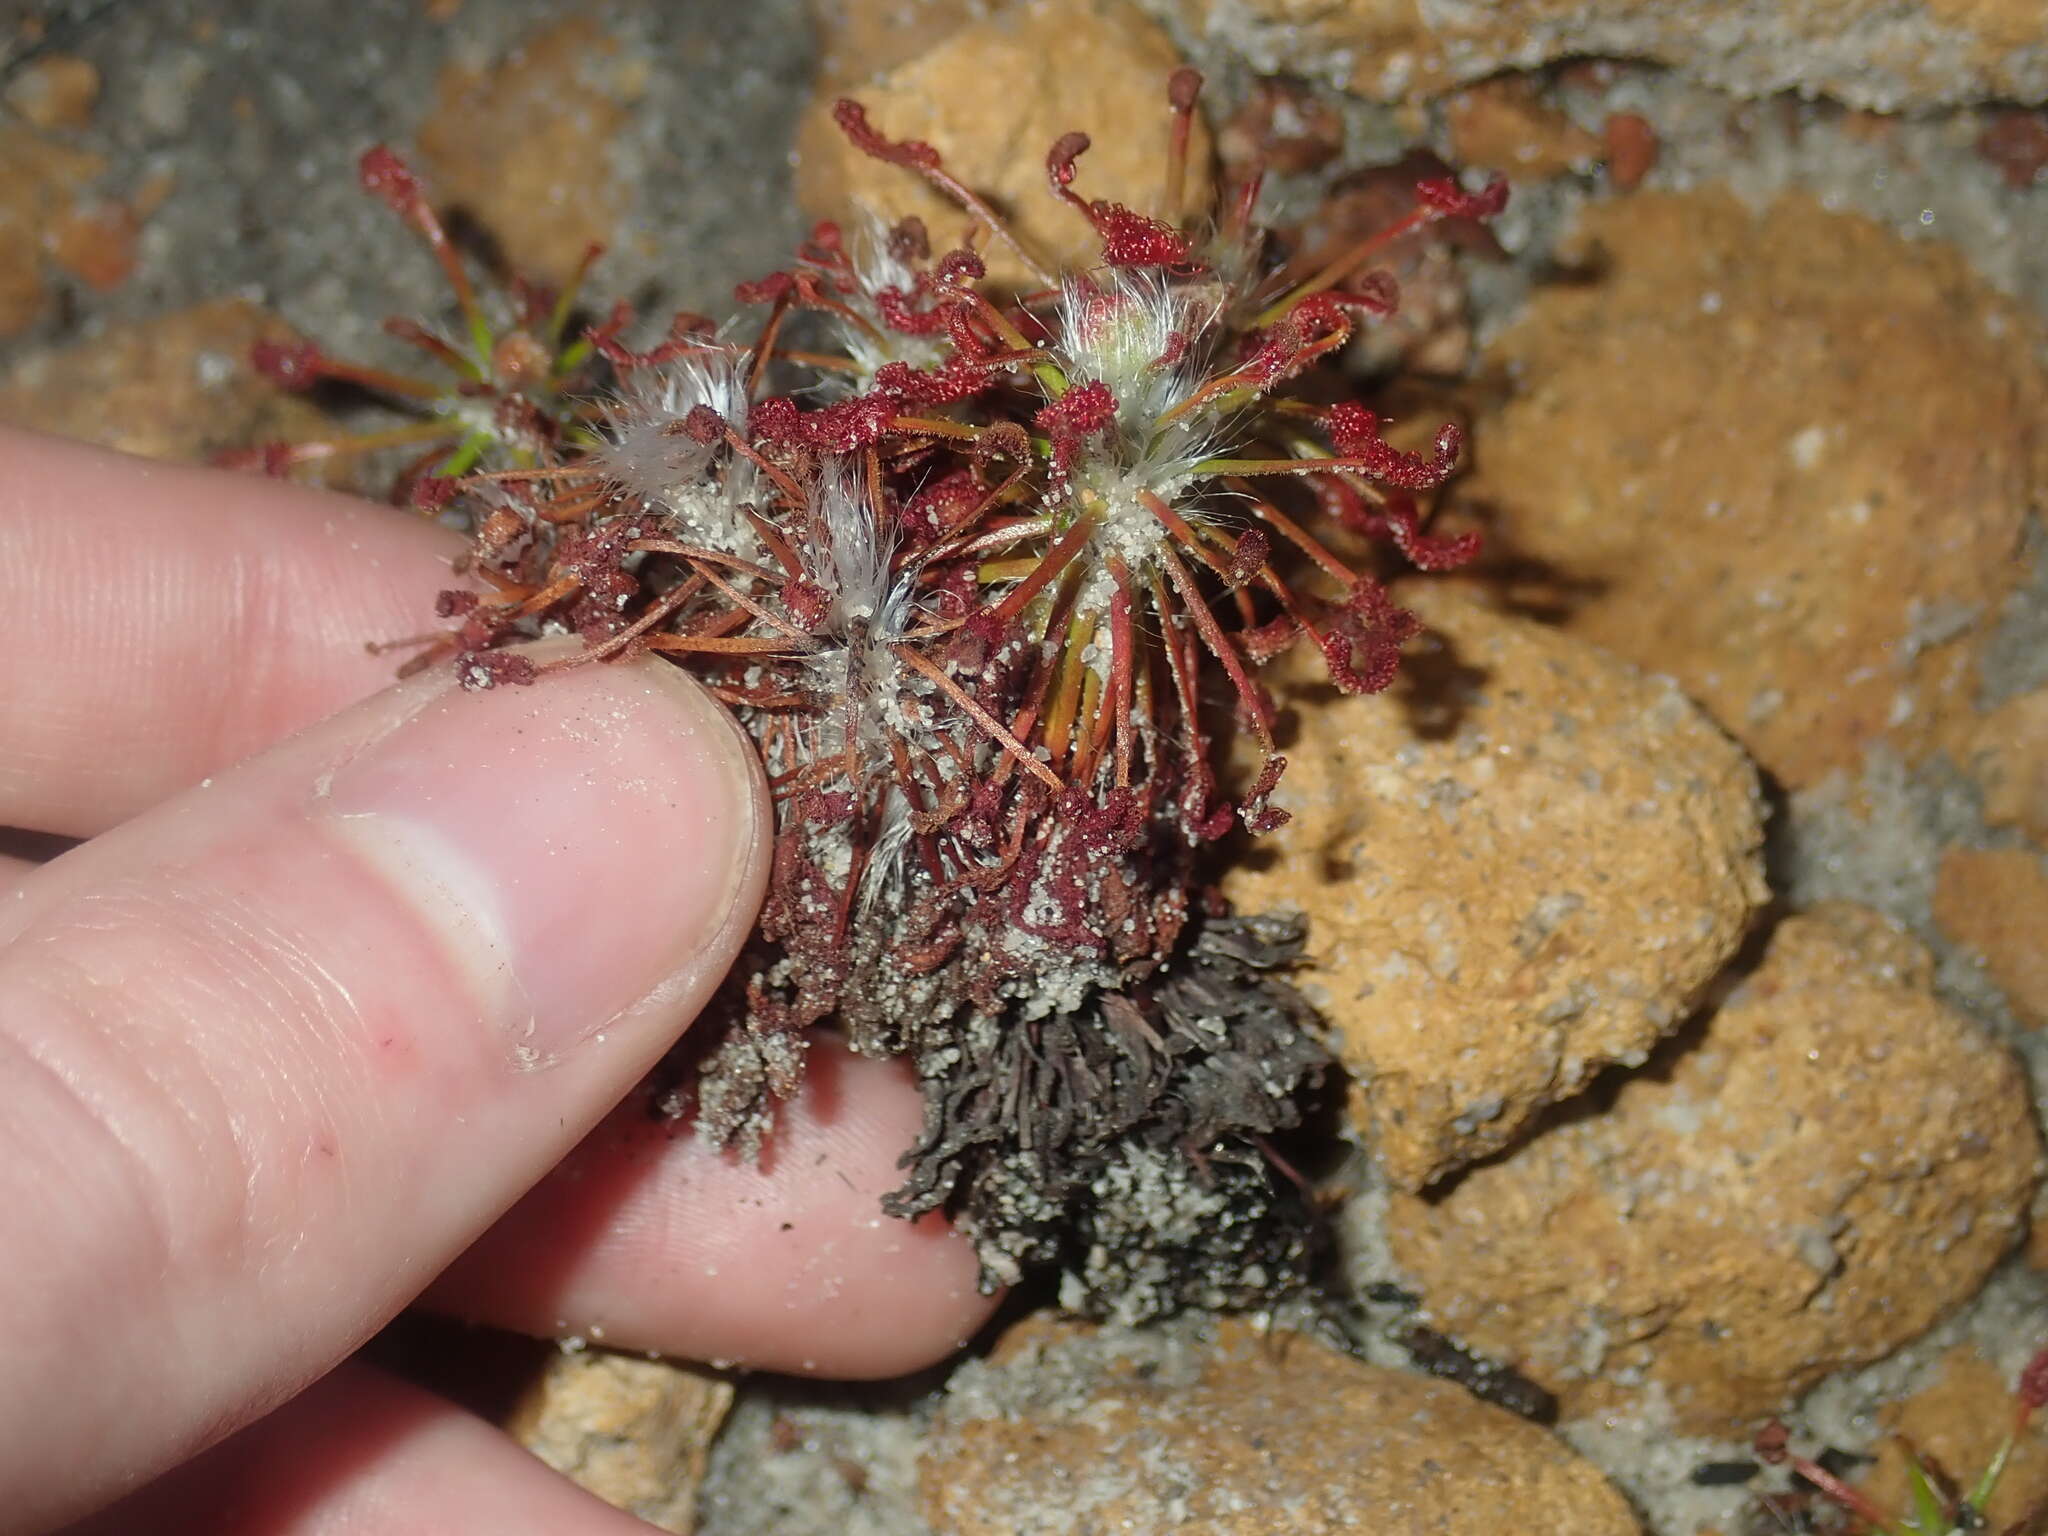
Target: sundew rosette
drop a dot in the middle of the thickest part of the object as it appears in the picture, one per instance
(987, 575)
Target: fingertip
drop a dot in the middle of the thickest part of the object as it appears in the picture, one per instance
(648, 1238)
(600, 838)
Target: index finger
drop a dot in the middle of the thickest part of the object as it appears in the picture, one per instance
(166, 621)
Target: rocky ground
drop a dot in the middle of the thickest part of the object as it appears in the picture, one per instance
(1682, 915)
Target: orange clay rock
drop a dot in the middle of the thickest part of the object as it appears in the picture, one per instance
(1503, 125)
(1219, 1430)
(1958, 1420)
(2007, 750)
(1995, 901)
(523, 145)
(1869, 53)
(1519, 865)
(992, 98)
(635, 1432)
(1796, 485)
(177, 386)
(1835, 1160)
(39, 178)
(94, 242)
(55, 91)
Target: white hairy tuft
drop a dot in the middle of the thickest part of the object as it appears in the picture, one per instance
(1153, 344)
(876, 267)
(647, 454)
(1121, 327)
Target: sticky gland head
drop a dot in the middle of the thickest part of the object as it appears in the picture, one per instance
(391, 181)
(1258, 816)
(500, 529)
(703, 425)
(296, 366)
(956, 269)
(957, 379)
(480, 670)
(1445, 198)
(1059, 160)
(688, 332)
(432, 494)
(519, 360)
(1129, 239)
(1769, 1443)
(2032, 1392)
(910, 242)
(1374, 291)
(764, 290)
(808, 603)
(1248, 557)
(1071, 420)
(846, 426)
(1399, 521)
(1361, 645)
(913, 154)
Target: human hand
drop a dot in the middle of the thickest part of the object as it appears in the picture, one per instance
(290, 1041)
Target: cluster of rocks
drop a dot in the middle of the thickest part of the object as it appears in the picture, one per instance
(1756, 476)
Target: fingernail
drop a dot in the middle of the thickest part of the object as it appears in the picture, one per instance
(582, 842)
